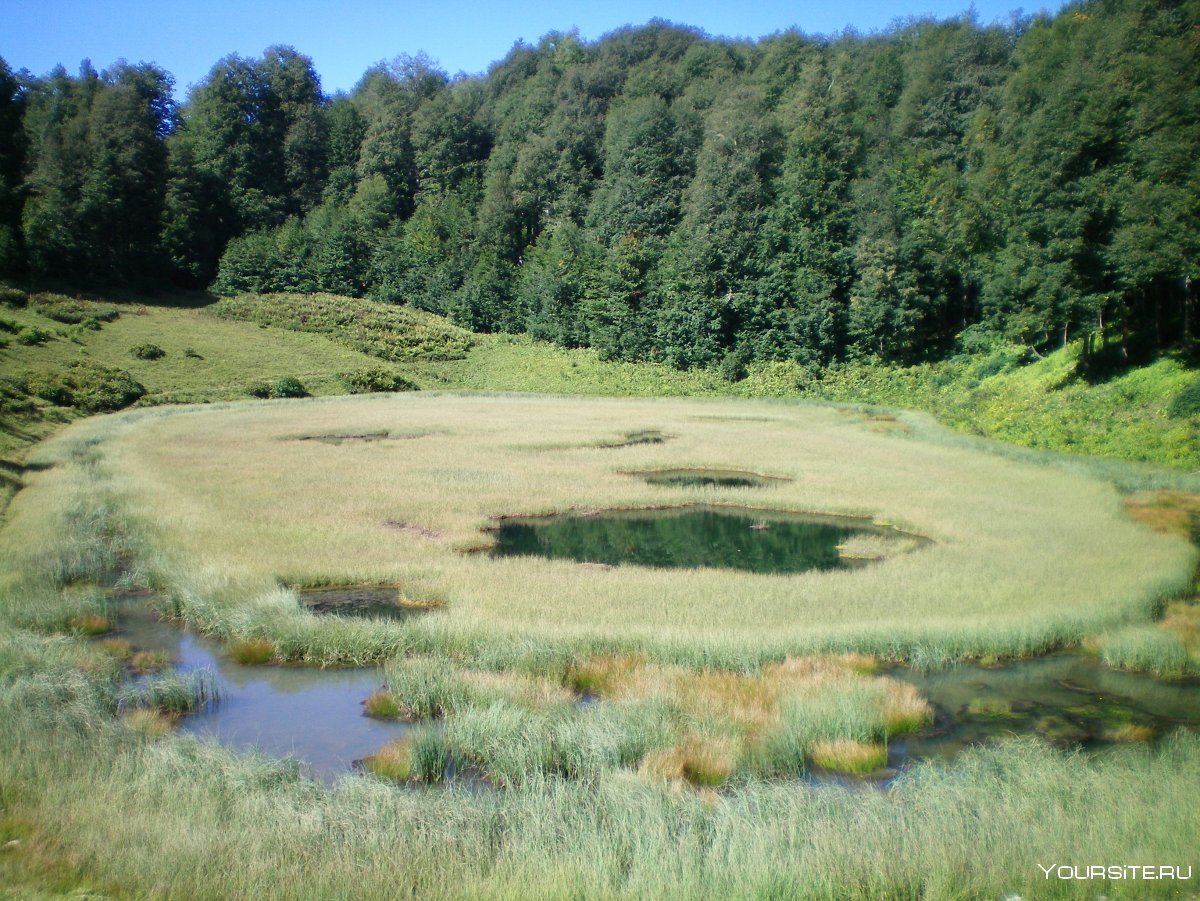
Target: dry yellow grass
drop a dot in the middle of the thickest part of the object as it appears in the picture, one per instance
(699, 760)
(846, 755)
(252, 651)
(1168, 512)
(149, 723)
(393, 761)
(529, 691)
(753, 706)
(1130, 732)
(91, 624)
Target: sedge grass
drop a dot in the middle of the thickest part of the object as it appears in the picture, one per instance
(848, 755)
(252, 651)
(199, 820)
(1084, 567)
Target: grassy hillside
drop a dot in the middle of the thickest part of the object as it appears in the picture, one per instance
(215, 352)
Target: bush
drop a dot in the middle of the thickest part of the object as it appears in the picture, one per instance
(88, 387)
(366, 381)
(285, 386)
(31, 335)
(72, 311)
(7, 325)
(14, 396)
(147, 351)
(12, 297)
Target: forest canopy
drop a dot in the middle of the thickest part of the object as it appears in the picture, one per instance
(658, 194)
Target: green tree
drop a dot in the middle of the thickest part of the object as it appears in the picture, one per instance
(12, 163)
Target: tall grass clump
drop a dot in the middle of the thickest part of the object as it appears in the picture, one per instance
(1148, 648)
(171, 693)
(252, 651)
(703, 727)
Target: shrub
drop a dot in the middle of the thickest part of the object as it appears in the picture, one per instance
(88, 387)
(391, 333)
(288, 386)
(147, 351)
(366, 381)
(31, 335)
(12, 297)
(285, 386)
(99, 389)
(72, 311)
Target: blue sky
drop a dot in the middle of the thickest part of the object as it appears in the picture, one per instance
(344, 38)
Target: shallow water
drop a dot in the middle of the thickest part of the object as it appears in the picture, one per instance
(706, 478)
(1069, 699)
(314, 715)
(369, 601)
(760, 541)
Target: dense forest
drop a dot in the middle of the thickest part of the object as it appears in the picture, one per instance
(658, 194)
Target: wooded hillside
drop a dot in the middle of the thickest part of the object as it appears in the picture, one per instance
(658, 194)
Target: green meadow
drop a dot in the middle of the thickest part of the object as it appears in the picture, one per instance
(713, 697)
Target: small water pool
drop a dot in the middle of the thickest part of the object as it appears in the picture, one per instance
(706, 478)
(1068, 699)
(314, 715)
(761, 541)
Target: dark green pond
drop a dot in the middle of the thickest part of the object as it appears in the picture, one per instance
(707, 478)
(759, 541)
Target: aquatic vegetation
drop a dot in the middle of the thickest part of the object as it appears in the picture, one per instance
(989, 707)
(91, 624)
(170, 693)
(382, 705)
(392, 762)
(252, 651)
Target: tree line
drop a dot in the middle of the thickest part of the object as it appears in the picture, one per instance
(659, 194)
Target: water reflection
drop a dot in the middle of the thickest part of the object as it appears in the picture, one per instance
(313, 715)
(761, 541)
(1068, 699)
